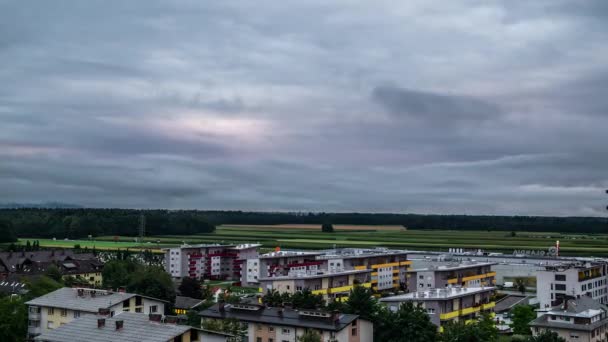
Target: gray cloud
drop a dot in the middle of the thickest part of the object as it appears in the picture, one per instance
(470, 107)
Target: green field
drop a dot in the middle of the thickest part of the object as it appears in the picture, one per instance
(439, 240)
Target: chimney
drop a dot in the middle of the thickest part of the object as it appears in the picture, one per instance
(80, 292)
(221, 305)
(155, 317)
(101, 322)
(53, 252)
(119, 324)
(122, 289)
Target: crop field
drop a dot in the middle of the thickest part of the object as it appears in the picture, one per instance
(337, 227)
(307, 238)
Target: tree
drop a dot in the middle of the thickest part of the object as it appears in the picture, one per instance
(229, 325)
(546, 336)
(306, 300)
(483, 330)
(117, 273)
(41, 286)
(190, 287)
(522, 315)
(7, 234)
(13, 315)
(54, 273)
(194, 320)
(152, 281)
(362, 302)
(310, 336)
(327, 228)
(409, 324)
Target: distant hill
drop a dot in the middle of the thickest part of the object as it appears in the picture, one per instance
(43, 205)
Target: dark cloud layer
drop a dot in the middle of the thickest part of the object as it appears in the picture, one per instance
(447, 107)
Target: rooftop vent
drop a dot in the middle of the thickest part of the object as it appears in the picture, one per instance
(101, 322)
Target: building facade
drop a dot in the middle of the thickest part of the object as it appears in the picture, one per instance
(575, 279)
(224, 262)
(319, 271)
(64, 305)
(266, 324)
(448, 304)
(464, 274)
(580, 319)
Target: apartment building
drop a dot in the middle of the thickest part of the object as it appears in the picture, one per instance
(448, 304)
(266, 324)
(574, 279)
(331, 285)
(387, 268)
(464, 274)
(213, 261)
(580, 319)
(67, 304)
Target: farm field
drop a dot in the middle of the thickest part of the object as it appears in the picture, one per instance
(337, 227)
(365, 236)
(99, 244)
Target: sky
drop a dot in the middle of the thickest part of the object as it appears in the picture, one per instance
(448, 107)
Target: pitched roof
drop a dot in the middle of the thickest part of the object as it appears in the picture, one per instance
(187, 302)
(136, 328)
(278, 316)
(68, 298)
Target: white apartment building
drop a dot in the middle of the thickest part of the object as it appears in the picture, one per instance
(576, 280)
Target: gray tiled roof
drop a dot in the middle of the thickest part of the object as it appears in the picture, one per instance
(271, 315)
(68, 298)
(136, 328)
(182, 302)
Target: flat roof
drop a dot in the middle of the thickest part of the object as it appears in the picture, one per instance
(136, 327)
(316, 275)
(287, 254)
(438, 294)
(454, 266)
(282, 317)
(68, 298)
(351, 253)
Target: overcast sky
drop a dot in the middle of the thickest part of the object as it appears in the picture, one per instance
(476, 107)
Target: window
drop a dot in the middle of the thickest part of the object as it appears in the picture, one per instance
(76, 314)
(270, 340)
(50, 311)
(64, 312)
(271, 329)
(50, 325)
(560, 277)
(125, 304)
(560, 287)
(138, 310)
(138, 301)
(286, 331)
(153, 309)
(430, 311)
(34, 323)
(259, 339)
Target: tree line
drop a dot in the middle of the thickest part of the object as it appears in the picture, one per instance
(417, 221)
(80, 223)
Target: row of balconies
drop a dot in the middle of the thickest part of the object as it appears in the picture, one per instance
(474, 277)
(466, 311)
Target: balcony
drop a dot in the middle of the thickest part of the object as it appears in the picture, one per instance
(390, 264)
(466, 311)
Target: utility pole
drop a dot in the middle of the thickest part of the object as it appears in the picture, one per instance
(142, 228)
